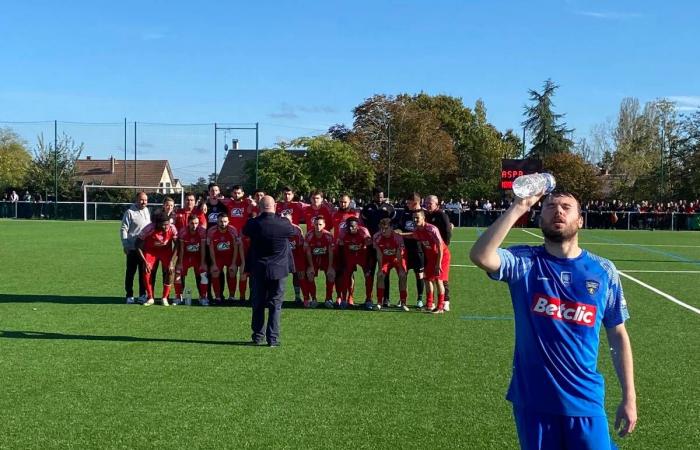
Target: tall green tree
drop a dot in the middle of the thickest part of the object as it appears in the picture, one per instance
(55, 166)
(687, 156)
(549, 133)
(336, 166)
(278, 168)
(15, 160)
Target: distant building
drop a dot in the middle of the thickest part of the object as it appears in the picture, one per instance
(233, 170)
(117, 172)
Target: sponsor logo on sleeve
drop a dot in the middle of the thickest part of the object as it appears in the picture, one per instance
(567, 311)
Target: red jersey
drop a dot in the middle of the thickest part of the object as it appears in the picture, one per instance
(339, 218)
(324, 210)
(182, 216)
(429, 237)
(155, 240)
(390, 247)
(354, 245)
(238, 211)
(296, 209)
(223, 241)
(296, 242)
(192, 242)
(319, 244)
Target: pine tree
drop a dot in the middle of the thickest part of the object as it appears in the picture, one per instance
(548, 135)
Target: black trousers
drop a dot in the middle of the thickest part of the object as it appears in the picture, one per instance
(133, 264)
(266, 294)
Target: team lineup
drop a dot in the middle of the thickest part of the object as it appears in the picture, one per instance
(206, 236)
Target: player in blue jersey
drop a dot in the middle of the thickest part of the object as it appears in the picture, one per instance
(561, 295)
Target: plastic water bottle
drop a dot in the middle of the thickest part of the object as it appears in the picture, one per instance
(528, 185)
(188, 297)
(203, 278)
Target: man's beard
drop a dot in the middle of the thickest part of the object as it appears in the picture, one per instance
(562, 235)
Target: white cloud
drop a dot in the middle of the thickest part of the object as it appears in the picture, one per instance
(609, 15)
(685, 102)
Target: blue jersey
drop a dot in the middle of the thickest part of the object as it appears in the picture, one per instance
(559, 305)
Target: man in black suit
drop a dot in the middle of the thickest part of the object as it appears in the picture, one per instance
(270, 261)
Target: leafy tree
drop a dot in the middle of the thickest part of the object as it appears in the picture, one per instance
(198, 187)
(574, 174)
(549, 135)
(687, 155)
(336, 166)
(340, 132)
(55, 165)
(14, 160)
(278, 168)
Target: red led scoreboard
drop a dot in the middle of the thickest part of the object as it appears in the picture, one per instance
(513, 168)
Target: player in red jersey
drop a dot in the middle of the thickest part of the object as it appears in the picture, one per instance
(318, 207)
(191, 243)
(240, 209)
(437, 259)
(340, 215)
(391, 254)
(258, 194)
(182, 215)
(156, 244)
(319, 256)
(287, 204)
(296, 243)
(224, 244)
(295, 209)
(352, 245)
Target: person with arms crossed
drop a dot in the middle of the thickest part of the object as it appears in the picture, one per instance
(415, 260)
(561, 295)
(182, 215)
(224, 244)
(295, 209)
(240, 209)
(352, 243)
(296, 244)
(270, 262)
(319, 256)
(437, 260)
(391, 254)
(156, 244)
(437, 216)
(135, 219)
(191, 243)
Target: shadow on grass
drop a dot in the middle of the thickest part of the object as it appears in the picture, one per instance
(88, 337)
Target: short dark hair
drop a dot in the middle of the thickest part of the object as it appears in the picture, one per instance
(287, 189)
(211, 185)
(187, 194)
(419, 212)
(316, 192)
(159, 217)
(563, 193)
(317, 218)
(192, 217)
(236, 187)
(377, 190)
(350, 220)
(220, 215)
(415, 196)
(168, 199)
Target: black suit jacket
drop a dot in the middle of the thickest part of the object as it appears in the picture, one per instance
(270, 255)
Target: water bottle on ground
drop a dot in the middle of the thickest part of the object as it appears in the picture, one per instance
(188, 297)
(203, 278)
(528, 185)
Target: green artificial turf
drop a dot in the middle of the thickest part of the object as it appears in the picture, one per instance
(80, 369)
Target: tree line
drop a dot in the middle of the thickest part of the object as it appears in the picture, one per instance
(437, 144)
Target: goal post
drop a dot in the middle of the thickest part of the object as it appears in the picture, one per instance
(162, 190)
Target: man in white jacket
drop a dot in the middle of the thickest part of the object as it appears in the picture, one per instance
(135, 219)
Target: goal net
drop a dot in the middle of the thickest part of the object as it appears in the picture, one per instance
(110, 202)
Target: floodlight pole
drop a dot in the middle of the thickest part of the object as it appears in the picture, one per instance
(257, 136)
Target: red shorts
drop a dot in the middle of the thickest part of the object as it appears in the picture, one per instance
(320, 264)
(165, 258)
(354, 261)
(223, 260)
(299, 260)
(188, 263)
(430, 259)
(389, 263)
(246, 247)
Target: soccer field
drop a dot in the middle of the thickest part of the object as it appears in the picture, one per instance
(81, 369)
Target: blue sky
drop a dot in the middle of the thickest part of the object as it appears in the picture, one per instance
(297, 67)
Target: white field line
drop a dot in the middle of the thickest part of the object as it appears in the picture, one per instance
(651, 288)
(661, 293)
(609, 244)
